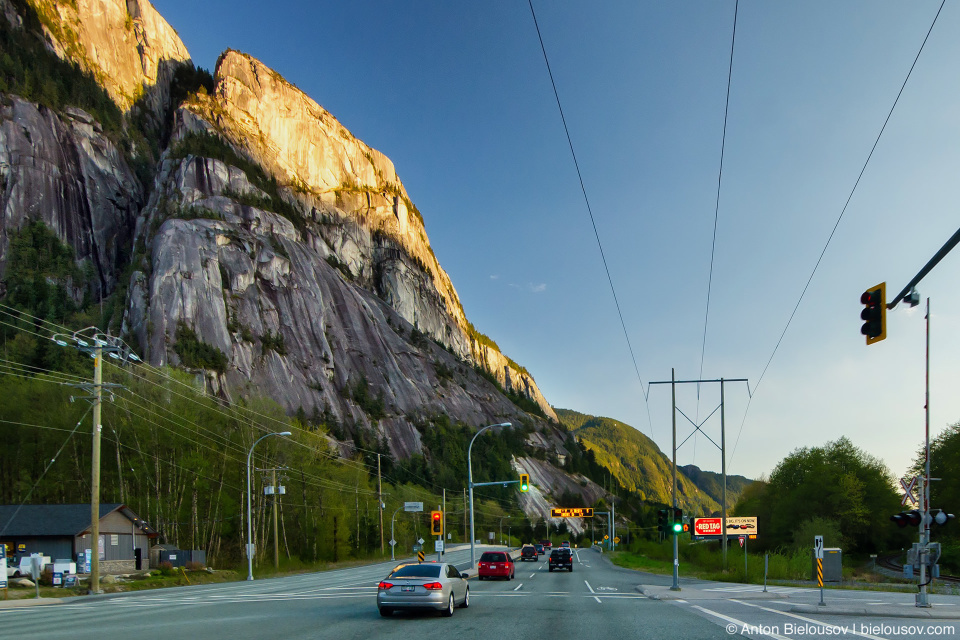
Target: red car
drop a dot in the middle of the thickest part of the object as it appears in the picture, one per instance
(496, 564)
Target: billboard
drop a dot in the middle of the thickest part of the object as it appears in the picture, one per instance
(712, 528)
(571, 512)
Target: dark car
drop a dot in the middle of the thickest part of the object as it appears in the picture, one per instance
(539, 548)
(561, 558)
(529, 552)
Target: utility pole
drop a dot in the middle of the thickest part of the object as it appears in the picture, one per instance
(444, 518)
(922, 600)
(380, 501)
(93, 342)
(276, 539)
(95, 471)
(673, 382)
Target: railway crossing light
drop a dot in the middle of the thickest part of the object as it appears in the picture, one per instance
(905, 518)
(874, 313)
(524, 482)
(940, 517)
(436, 523)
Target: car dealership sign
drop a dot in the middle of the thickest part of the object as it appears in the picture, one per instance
(712, 528)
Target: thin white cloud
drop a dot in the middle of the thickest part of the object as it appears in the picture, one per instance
(494, 277)
(537, 288)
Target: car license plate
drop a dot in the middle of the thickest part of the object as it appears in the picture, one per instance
(407, 588)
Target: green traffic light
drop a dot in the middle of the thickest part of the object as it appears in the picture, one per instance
(678, 527)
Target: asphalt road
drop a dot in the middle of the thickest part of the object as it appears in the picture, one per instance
(596, 600)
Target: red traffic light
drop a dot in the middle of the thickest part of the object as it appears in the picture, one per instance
(436, 515)
(874, 313)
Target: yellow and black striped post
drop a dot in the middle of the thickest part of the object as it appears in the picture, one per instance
(420, 559)
(820, 578)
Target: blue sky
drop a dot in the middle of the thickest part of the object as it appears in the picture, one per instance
(458, 96)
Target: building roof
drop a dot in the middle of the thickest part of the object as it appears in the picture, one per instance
(58, 519)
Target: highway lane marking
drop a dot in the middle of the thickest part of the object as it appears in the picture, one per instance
(819, 623)
(588, 586)
(739, 623)
(517, 588)
(532, 574)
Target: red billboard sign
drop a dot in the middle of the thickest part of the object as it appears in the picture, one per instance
(736, 526)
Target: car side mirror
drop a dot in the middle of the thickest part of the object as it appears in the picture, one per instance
(464, 575)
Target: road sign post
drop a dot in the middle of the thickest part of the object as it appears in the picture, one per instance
(818, 549)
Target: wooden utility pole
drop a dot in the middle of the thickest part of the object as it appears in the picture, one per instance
(95, 471)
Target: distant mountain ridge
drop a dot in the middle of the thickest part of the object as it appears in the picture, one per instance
(639, 465)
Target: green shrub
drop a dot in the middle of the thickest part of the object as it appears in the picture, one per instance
(195, 354)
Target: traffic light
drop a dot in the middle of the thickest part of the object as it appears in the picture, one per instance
(436, 523)
(677, 525)
(524, 482)
(874, 313)
(912, 518)
(662, 520)
(940, 517)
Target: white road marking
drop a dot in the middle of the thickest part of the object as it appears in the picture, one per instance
(588, 586)
(740, 623)
(805, 619)
(596, 598)
(532, 574)
(517, 588)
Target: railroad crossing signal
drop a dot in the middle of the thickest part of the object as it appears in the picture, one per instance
(904, 518)
(436, 523)
(524, 482)
(874, 313)
(940, 517)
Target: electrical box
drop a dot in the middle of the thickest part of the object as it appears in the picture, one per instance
(832, 565)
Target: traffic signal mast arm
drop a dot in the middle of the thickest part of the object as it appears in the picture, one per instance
(944, 250)
(490, 484)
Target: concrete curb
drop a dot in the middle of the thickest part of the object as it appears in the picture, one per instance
(692, 593)
(28, 602)
(877, 612)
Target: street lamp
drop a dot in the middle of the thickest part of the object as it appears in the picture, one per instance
(473, 538)
(393, 538)
(249, 510)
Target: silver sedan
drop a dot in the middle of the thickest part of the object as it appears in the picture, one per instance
(431, 585)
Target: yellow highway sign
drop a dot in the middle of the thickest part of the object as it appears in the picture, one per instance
(571, 512)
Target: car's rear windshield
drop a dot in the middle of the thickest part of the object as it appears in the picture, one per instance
(560, 552)
(417, 571)
(493, 557)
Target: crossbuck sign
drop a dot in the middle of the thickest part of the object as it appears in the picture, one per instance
(908, 491)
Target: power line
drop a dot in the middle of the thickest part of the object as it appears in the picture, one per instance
(590, 212)
(716, 212)
(837, 224)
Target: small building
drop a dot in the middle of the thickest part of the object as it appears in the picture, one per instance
(63, 531)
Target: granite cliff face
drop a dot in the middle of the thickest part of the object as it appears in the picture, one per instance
(351, 201)
(126, 44)
(267, 233)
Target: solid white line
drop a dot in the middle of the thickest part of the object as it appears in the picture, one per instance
(596, 598)
(588, 586)
(683, 601)
(517, 588)
(740, 623)
(819, 623)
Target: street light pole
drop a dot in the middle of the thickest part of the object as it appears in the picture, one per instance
(393, 538)
(501, 528)
(249, 510)
(473, 537)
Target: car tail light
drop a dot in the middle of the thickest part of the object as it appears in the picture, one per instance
(385, 585)
(433, 586)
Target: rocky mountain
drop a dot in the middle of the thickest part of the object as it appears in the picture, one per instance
(711, 483)
(250, 237)
(639, 464)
